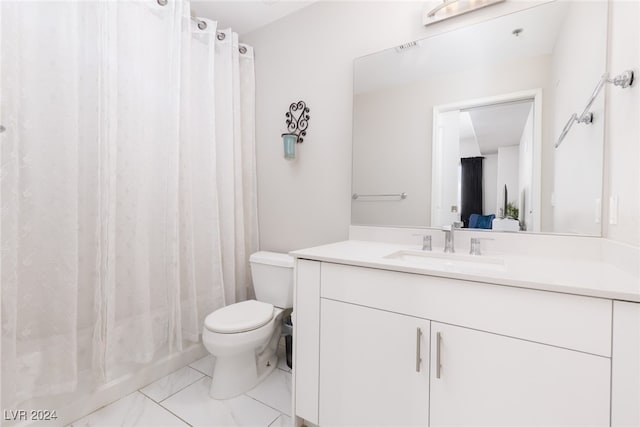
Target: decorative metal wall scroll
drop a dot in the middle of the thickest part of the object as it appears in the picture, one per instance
(298, 120)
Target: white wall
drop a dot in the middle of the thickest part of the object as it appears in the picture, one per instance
(446, 167)
(404, 114)
(508, 173)
(525, 179)
(469, 148)
(393, 144)
(578, 161)
(309, 55)
(622, 131)
(490, 184)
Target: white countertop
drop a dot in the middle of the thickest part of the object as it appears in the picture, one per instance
(572, 276)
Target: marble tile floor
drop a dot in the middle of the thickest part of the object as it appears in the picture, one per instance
(181, 399)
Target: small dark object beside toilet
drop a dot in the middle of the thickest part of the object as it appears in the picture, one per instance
(287, 331)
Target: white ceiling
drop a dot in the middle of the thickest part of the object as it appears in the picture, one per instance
(499, 125)
(490, 42)
(244, 16)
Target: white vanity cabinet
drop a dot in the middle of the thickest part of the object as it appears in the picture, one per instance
(374, 367)
(625, 380)
(492, 380)
(508, 356)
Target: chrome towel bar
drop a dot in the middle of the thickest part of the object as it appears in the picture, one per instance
(356, 196)
(623, 80)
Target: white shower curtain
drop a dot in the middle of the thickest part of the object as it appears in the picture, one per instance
(128, 204)
(235, 106)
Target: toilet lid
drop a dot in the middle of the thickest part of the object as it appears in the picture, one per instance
(239, 317)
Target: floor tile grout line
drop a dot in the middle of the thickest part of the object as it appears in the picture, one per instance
(277, 418)
(188, 385)
(168, 410)
(280, 413)
(179, 390)
(145, 394)
(196, 369)
(100, 408)
(264, 403)
(159, 403)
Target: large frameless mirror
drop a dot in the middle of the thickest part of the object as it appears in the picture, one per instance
(461, 127)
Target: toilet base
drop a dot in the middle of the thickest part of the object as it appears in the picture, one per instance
(240, 372)
(238, 375)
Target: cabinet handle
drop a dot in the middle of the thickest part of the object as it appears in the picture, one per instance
(418, 359)
(438, 364)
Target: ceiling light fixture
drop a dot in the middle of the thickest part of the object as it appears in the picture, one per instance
(450, 8)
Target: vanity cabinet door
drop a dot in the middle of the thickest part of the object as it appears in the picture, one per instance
(486, 379)
(370, 368)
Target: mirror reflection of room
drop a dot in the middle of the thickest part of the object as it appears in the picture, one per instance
(555, 53)
(486, 154)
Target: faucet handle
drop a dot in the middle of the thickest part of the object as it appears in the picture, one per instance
(474, 247)
(426, 241)
(455, 225)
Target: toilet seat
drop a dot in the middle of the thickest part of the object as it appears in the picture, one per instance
(239, 317)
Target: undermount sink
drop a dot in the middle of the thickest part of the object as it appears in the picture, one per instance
(447, 261)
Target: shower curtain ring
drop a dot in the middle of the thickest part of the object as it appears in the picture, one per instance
(163, 2)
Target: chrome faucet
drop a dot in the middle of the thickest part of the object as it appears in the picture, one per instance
(448, 238)
(426, 241)
(474, 246)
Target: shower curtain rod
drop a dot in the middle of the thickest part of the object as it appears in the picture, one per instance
(201, 24)
(220, 35)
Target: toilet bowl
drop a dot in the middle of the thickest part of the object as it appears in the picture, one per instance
(243, 337)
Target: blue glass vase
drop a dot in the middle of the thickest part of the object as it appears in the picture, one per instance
(289, 141)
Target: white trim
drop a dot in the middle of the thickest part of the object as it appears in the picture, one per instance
(533, 94)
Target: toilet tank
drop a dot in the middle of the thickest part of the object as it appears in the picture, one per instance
(272, 275)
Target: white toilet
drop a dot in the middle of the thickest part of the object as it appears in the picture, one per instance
(243, 337)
